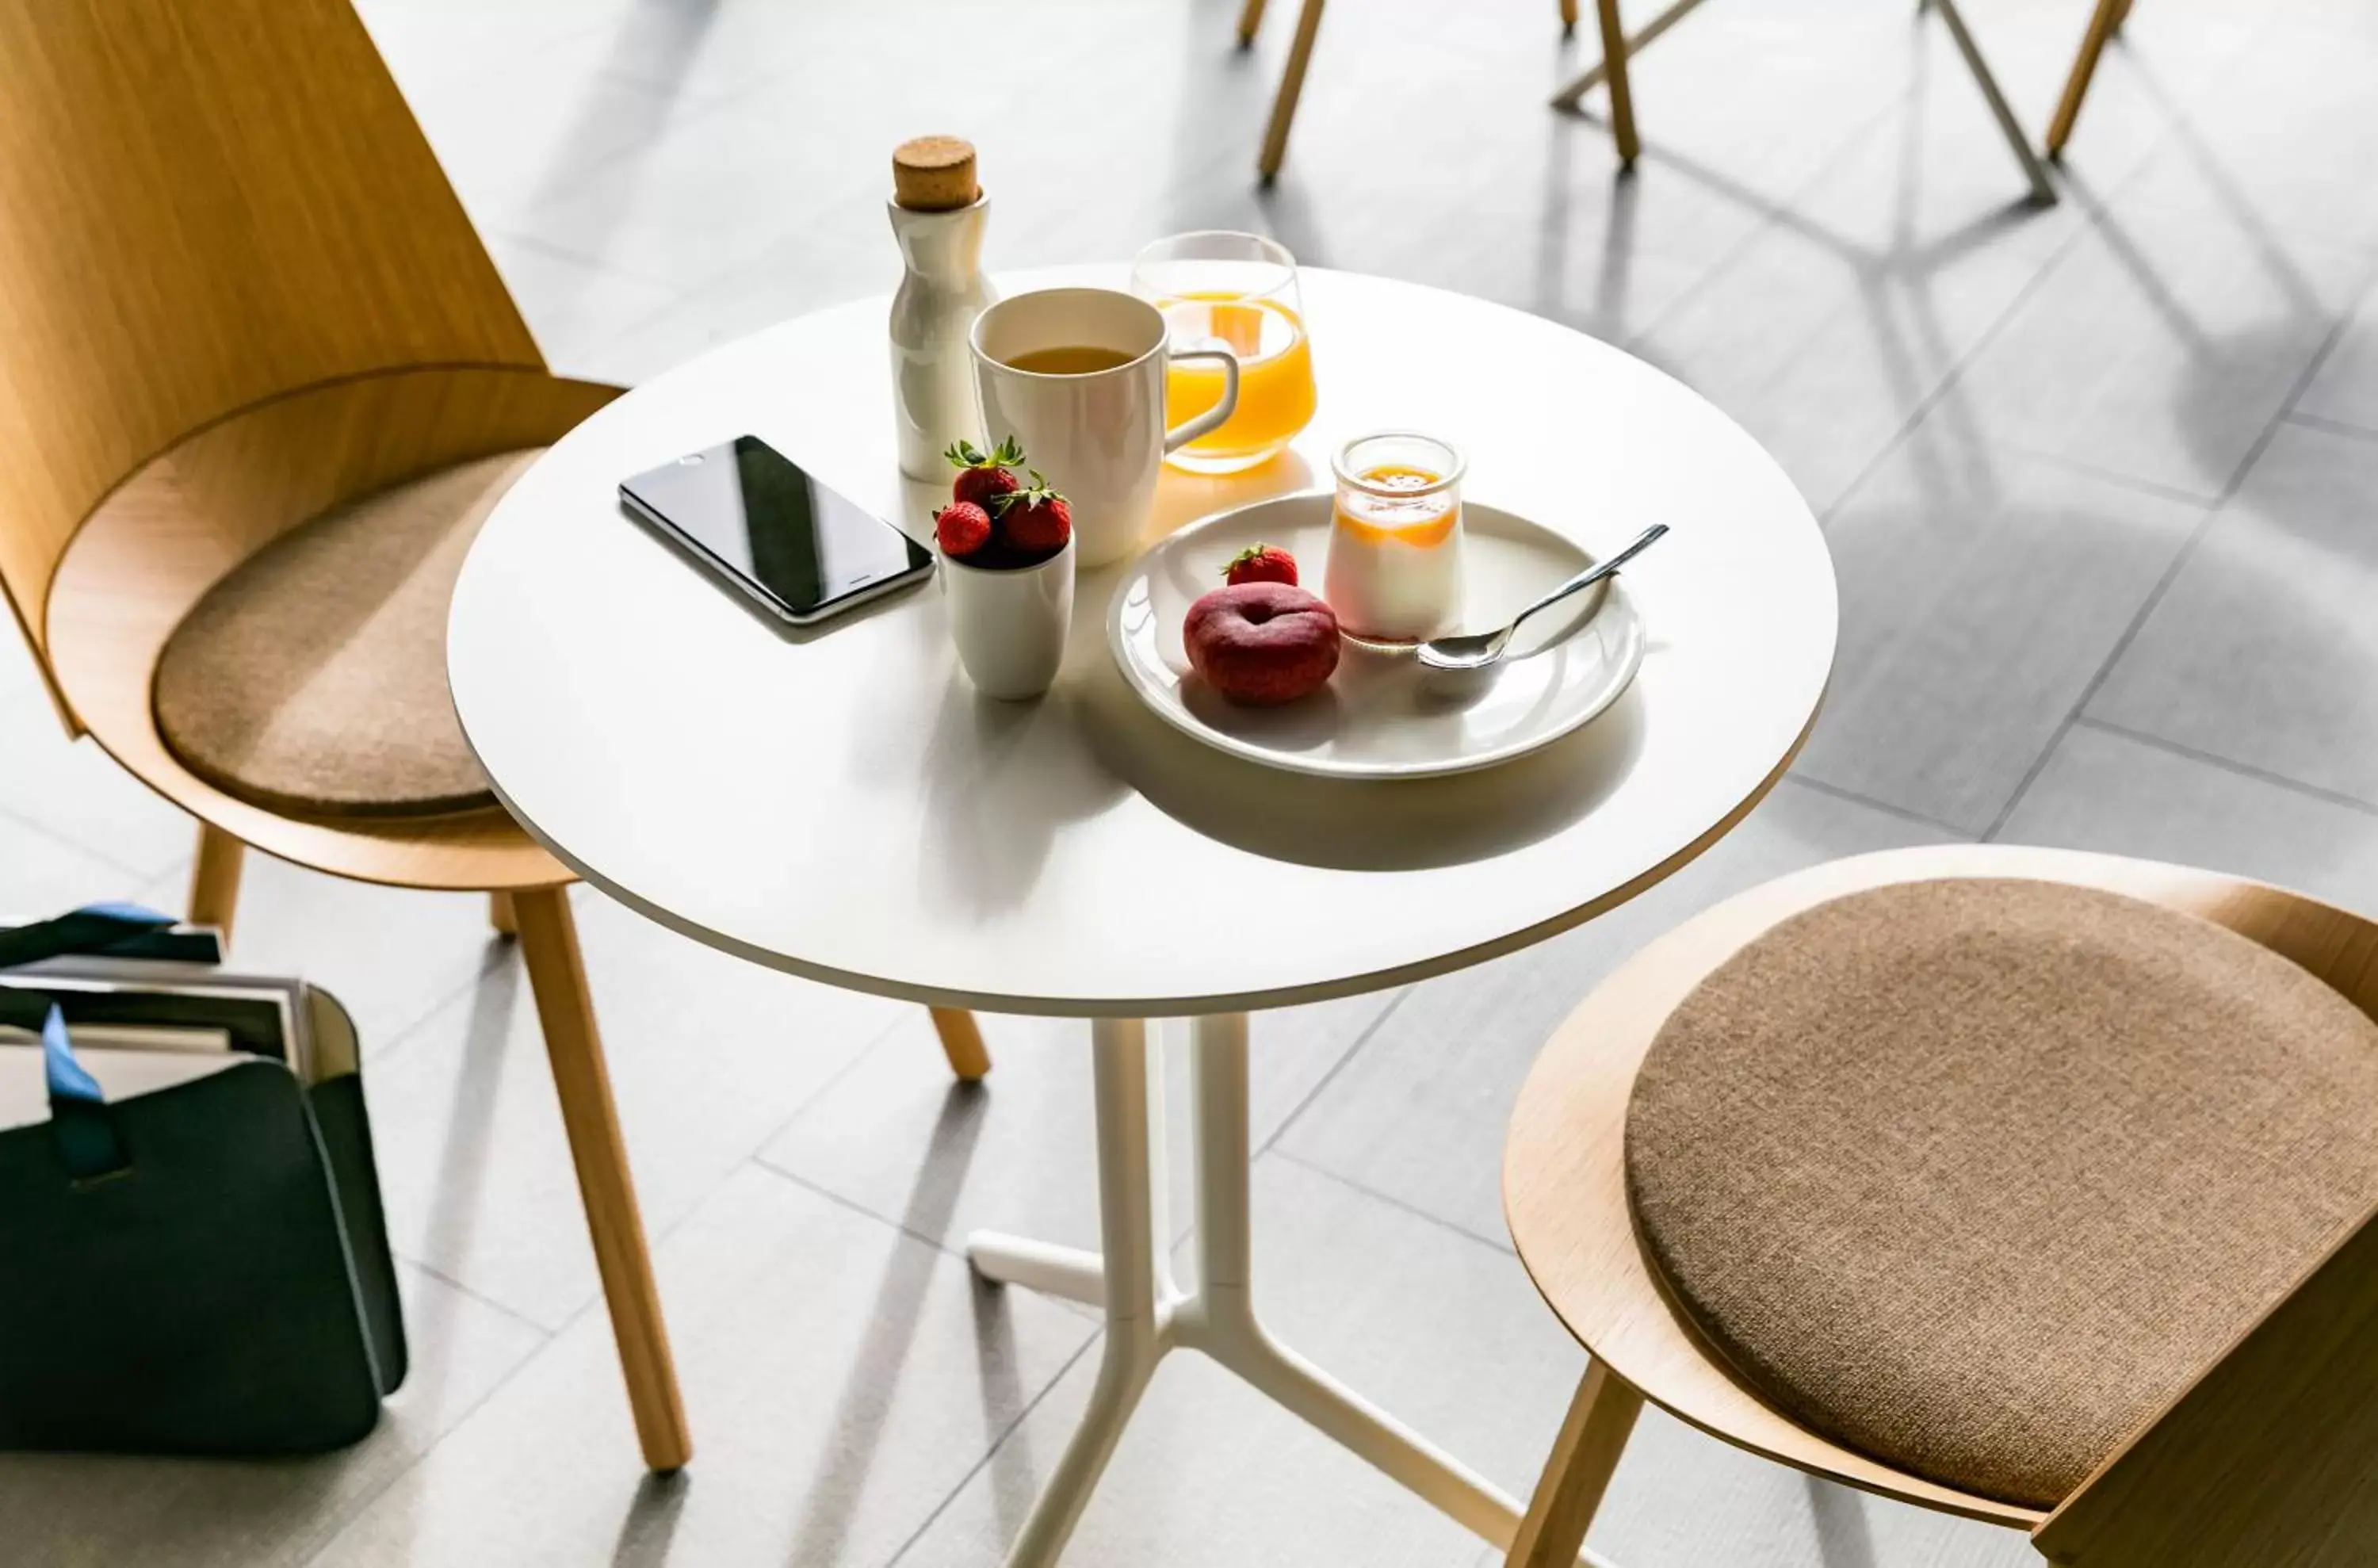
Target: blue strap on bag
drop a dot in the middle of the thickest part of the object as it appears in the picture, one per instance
(88, 1146)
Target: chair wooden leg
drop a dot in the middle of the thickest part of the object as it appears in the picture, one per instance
(1250, 20)
(2102, 22)
(1601, 1418)
(1291, 83)
(961, 1043)
(500, 916)
(549, 939)
(1622, 95)
(214, 879)
(1568, 17)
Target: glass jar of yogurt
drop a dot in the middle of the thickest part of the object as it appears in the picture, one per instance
(1394, 576)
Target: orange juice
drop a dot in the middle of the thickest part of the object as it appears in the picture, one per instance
(1275, 378)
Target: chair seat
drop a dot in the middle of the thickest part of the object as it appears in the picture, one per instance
(1975, 1175)
(311, 680)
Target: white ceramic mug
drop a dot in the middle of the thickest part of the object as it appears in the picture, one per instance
(1098, 436)
(1009, 624)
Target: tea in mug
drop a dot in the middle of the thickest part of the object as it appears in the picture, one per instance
(1068, 359)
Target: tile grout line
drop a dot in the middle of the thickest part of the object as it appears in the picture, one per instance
(2122, 645)
(329, 1537)
(832, 1081)
(2180, 560)
(1955, 373)
(855, 1207)
(2114, 477)
(2228, 764)
(1439, 1220)
(1769, 219)
(991, 1452)
(2331, 427)
(1964, 834)
(1330, 1077)
(64, 841)
(2095, 206)
(514, 1313)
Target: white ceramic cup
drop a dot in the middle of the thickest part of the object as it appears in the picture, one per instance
(1009, 625)
(1100, 436)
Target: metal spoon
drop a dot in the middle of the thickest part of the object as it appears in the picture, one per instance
(1480, 649)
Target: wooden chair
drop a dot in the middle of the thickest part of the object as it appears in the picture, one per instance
(2105, 18)
(236, 293)
(1617, 50)
(2269, 1459)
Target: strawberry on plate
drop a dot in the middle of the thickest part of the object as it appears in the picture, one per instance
(984, 477)
(1035, 519)
(1261, 563)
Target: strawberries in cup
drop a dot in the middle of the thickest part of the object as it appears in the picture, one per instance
(995, 520)
(1007, 571)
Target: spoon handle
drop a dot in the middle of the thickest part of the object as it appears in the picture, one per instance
(1593, 574)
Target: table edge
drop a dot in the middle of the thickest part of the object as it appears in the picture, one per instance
(1195, 1005)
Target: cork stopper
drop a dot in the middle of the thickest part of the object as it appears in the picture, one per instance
(934, 174)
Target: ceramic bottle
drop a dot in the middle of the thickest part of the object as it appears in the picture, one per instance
(938, 213)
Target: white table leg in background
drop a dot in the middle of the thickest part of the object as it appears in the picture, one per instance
(1147, 1317)
(1040, 1265)
(1137, 1320)
(1220, 1319)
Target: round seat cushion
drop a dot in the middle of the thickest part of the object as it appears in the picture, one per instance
(312, 679)
(1975, 1175)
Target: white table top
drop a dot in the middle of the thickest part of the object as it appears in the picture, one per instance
(843, 804)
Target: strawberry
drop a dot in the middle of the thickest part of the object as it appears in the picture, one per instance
(1261, 563)
(962, 527)
(983, 477)
(1036, 520)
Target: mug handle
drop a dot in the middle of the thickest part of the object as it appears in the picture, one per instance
(1207, 423)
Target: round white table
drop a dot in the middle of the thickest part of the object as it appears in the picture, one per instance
(841, 803)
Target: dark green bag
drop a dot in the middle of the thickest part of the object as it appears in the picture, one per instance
(201, 1268)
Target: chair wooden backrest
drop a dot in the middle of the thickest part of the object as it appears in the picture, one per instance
(205, 205)
(2270, 1459)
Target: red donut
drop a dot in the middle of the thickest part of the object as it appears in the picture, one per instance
(1261, 643)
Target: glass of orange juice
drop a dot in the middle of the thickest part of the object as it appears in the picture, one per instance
(1221, 289)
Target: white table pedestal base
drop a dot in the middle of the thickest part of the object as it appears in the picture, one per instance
(1147, 1316)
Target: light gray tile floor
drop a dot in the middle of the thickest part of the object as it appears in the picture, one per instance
(2098, 482)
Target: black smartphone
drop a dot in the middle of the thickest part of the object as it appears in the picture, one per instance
(774, 532)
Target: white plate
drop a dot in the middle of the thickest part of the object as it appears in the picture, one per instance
(1383, 716)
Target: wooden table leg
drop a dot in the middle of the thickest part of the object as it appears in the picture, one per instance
(214, 879)
(2102, 22)
(1622, 94)
(1600, 1420)
(500, 916)
(1292, 84)
(1568, 17)
(556, 973)
(961, 1043)
(1250, 20)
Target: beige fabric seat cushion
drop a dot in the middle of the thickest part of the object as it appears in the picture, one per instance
(1975, 1175)
(312, 680)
